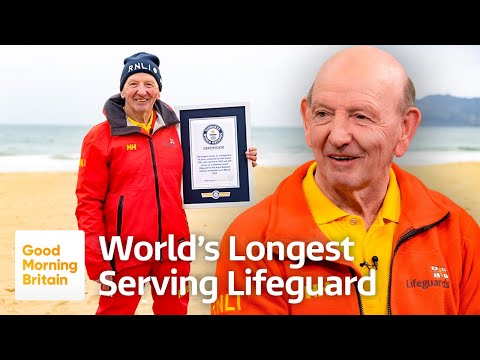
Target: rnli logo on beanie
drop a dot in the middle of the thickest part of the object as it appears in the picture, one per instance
(141, 62)
(140, 66)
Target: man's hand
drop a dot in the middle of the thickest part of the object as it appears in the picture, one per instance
(105, 287)
(251, 154)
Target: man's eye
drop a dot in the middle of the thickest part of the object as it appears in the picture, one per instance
(321, 117)
(361, 117)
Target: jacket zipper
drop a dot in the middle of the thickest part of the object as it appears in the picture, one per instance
(157, 193)
(359, 298)
(120, 215)
(407, 236)
(119, 225)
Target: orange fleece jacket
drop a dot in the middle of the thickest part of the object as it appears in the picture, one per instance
(435, 266)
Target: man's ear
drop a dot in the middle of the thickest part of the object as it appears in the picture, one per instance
(410, 123)
(305, 111)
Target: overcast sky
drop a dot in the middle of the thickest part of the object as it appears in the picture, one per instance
(68, 84)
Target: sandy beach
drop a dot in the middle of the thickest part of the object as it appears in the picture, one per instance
(46, 201)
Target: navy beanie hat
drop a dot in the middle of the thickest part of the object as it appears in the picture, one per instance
(141, 62)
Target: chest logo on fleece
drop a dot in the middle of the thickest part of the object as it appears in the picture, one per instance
(440, 278)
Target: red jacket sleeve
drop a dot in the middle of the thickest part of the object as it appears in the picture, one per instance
(92, 184)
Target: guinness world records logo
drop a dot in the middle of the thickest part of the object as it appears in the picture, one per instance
(213, 134)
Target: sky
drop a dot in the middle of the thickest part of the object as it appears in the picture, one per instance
(69, 84)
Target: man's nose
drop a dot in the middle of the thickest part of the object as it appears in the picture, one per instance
(142, 89)
(340, 131)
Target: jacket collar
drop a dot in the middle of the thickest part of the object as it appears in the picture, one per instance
(291, 219)
(421, 206)
(115, 114)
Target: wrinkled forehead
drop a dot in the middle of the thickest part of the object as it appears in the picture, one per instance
(360, 79)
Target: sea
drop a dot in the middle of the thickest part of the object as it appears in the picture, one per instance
(52, 148)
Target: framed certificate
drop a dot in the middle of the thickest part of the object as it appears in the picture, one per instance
(216, 172)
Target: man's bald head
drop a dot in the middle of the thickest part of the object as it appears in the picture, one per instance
(362, 66)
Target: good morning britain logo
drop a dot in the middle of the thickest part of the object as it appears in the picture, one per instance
(49, 265)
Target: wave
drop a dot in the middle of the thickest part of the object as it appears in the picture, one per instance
(65, 156)
(469, 148)
(446, 148)
(437, 157)
(37, 163)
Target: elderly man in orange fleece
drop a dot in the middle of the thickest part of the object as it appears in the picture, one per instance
(350, 232)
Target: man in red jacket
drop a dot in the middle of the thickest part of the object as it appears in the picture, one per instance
(129, 201)
(350, 232)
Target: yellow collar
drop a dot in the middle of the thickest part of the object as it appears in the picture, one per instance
(144, 126)
(390, 209)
